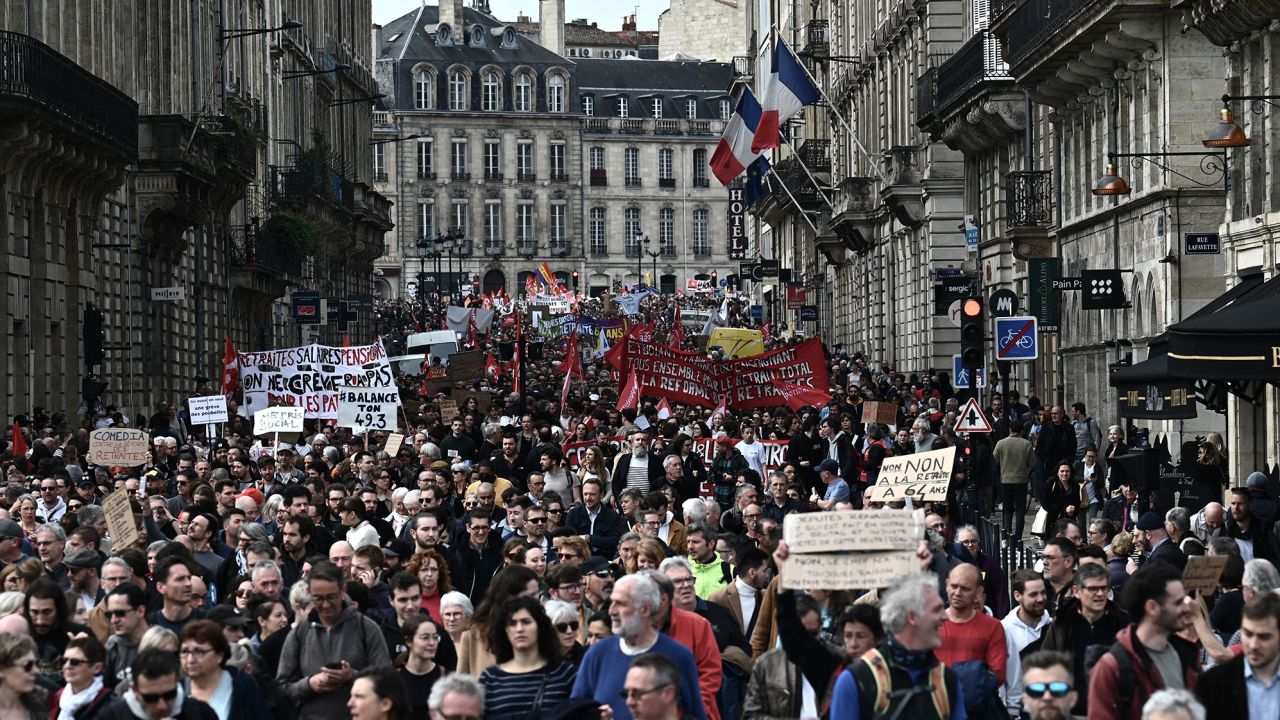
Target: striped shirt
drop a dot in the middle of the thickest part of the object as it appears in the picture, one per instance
(511, 695)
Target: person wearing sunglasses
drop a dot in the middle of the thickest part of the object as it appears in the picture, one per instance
(568, 622)
(20, 697)
(154, 693)
(1047, 689)
(85, 694)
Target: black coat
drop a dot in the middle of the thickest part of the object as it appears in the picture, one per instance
(1168, 552)
(1221, 689)
(476, 568)
(623, 464)
(608, 530)
(192, 709)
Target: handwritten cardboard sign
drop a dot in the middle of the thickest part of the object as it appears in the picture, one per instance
(466, 365)
(448, 410)
(121, 525)
(394, 441)
(922, 476)
(865, 530)
(278, 420)
(847, 570)
(1202, 573)
(880, 412)
(207, 410)
(370, 408)
(483, 399)
(119, 446)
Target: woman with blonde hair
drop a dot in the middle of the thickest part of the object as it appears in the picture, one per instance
(592, 467)
(18, 576)
(649, 554)
(573, 550)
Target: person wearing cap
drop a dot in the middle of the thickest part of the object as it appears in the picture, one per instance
(837, 489)
(1262, 505)
(1152, 537)
(83, 567)
(11, 538)
(597, 585)
(230, 619)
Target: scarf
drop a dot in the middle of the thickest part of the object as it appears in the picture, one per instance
(901, 656)
(135, 705)
(69, 702)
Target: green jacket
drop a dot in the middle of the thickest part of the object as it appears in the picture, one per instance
(710, 577)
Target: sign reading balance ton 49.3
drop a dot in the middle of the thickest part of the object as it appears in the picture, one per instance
(368, 408)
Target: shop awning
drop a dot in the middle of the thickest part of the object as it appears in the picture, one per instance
(1238, 342)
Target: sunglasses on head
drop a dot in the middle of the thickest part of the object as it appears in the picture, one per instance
(1056, 689)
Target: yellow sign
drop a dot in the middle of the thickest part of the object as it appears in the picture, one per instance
(737, 342)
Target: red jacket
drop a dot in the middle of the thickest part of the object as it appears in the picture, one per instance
(694, 632)
(1104, 683)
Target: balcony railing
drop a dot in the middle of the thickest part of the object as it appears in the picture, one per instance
(700, 127)
(816, 155)
(1029, 196)
(492, 176)
(646, 126)
(493, 248)
(599, 248)
(460, 176)
(428, 176)
(816, 34)
(526, 249)
(301, 183)
(381, 118)
(634, 182)
(596, 125)
(926, 89)
(599, 177)
(559, 178)
(633, 127)
(31, 70)
(701, 182)
(1035, 22)
(633, 249)
(668, 183)
(251, 248)
(559, 248)
(667, 127)
(701, 249)
(526, 177)
(380, 177)
(976, 61)
(668, 249)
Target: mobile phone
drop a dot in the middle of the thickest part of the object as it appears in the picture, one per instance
(334, 665)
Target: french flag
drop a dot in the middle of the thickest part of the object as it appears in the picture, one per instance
(734, 153)
(786, 89)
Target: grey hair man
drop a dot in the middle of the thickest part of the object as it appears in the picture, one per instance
(456, 695)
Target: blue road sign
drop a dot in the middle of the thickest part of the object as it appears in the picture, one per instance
(757, 312)
(1017, 339)
(960, 375)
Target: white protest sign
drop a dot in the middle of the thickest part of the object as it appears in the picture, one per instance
(119, 446)
(394, 441)
(1202, 573)
(278, 420)
(847, 571)
(368, 408)
(207, 410)
(308, 377)
(121, 525)
(863, 530)
(922, 477)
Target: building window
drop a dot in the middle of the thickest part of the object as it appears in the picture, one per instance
(555, 93)
(667, 231)
(426, 160)
(631, 231)
(526, 243)
(657, 108)
(666, 158)
(631, 166)
(457, 90)
(597, 158)
(599, 225)
(492, 160)
(524, 92)
(559, 228)
(725, 110)
(700, 167)
(493, 227)
(691, 109)
(460, 217)
(424, 91)
(524, 161)
(701, 244)
(588, 106)
(426, 219)
(556, 156)
(379, 163)
(622, 107)
(490, 91)
(458, 163)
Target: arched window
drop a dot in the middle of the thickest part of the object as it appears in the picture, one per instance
(458, 94)
(557, 89)
(524, 92)
(424, 90)
(490, 91)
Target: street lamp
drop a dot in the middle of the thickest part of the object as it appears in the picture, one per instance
(352, 101)
(655, 256)
(424, 252)
(640, 239)
(447, 244)
(1227, 134)
(1212, 164)
(225, 34)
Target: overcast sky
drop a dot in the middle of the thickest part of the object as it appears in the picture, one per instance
(608, 13)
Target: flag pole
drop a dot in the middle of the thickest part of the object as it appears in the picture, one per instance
(787, 190)
(796, 154)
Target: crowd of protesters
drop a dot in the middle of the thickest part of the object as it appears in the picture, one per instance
(479, 572)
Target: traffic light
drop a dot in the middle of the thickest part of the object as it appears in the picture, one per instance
(94, 337)
(575, 280)
(972, 334)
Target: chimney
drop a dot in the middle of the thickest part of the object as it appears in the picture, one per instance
(377, 41)
(551, 25)
(629, 23)
(451, 12)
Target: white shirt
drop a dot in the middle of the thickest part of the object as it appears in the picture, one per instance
(1017, 635)
(361, 535)
(755, 455)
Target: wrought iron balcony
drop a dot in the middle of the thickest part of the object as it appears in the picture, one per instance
(299, 183)
(493, 248)
(460, 176)
(252, 249)
(633, 182)
(526, 249)
(977, 61)
(559, 178)
(1029, 198)
(701, 182)
(34, 73)
(1034, 23)
(816, 34)
(633, 249)
(599, 177)
(559, 248)
(380, 177)
(926, 89)
(668, 249)
(492, 176)
(526, 177)
(701, 249)
(816, 155)
(667, 183)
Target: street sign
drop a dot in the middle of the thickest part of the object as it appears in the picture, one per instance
(808, 313)
(1042, 300)
(757, 312)
(796, 296)
(1016, 339)
(1203, 244)
(1070, 283)
(306, 307)
(960, 375)
(169, 293)
(769, 268)
(971, 419)
(1003, 303)
(1103, 290)
(948, 289)
(971, 233)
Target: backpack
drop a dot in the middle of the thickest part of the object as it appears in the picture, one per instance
(882, 706)
(1126, 678)
(981, 690)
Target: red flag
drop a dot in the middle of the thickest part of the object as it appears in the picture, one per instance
(676, 338)
(473, 335)
(799, 396)
(491, 366)
(346, 341)
(515, 360)
(564, 394)
(571, 365)
(629, 398)
(19, 441)
(723, 407)
(664, 409)
(230, 368)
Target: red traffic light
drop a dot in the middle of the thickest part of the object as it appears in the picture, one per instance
(971, 308)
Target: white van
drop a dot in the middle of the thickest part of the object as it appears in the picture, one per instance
(437, 343)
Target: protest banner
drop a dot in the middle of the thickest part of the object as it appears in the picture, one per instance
(554, 328)
(121, 525)
(119, 446)
(1202, 573)
(483, 399)
(368, 408)
(394, 441)
(308, 377)
(921, 477)
(276, 420)
(865, 530)
(694, 379)
(207, 410)
(879, 412)
(847, 570)
(448, 410)
(466, 365)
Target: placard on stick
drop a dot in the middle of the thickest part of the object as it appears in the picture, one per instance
(448, 410)
(207, 410)
(863, 530)
(880, 412)
(369, 408)
(843, 571)
(120, 523)
(278, 420)
(119, 446)
(1202, 573)
(394, 441)
(922, 476)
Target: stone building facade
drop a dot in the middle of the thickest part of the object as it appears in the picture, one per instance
(719, 30)
(155, 161)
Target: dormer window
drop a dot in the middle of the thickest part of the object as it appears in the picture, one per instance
(444, 34)
(508, 38)
(657, 107)
(477, 36)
